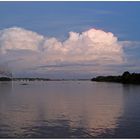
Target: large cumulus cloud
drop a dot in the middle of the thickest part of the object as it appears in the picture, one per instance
(24, 51)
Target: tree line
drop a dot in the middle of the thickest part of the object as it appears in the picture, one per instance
(126, 77)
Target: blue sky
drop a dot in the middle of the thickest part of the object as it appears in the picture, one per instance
(56, 20)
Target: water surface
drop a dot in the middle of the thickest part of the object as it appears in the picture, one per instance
(69, 109)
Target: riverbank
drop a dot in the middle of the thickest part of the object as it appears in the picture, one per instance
(5, 79)
(126, 77)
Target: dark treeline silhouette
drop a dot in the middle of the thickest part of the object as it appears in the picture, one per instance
(31, 79)
(38, 79)
(5, 79)
(126, 77)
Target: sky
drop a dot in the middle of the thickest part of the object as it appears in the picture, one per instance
(69, 39)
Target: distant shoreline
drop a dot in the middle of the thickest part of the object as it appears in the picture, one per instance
(125, 78)
(39, 79)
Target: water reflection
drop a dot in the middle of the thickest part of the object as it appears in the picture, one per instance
(5, 90)
(64, 109)
(129, 123)
(5, 87)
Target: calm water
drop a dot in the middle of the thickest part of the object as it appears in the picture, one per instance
(69, 109)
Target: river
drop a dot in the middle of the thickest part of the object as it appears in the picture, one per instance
(69, 109)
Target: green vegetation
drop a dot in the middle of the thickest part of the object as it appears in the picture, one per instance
(126, 77)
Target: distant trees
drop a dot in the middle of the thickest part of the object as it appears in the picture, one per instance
(126, 77)
(5, 79)
(31, 79)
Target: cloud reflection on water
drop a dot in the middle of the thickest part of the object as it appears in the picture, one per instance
(61, 109)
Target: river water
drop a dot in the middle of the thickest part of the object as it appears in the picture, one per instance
(69, 109)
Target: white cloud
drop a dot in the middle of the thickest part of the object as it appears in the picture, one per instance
(18, 38)
(129, 43)
(23, 50)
